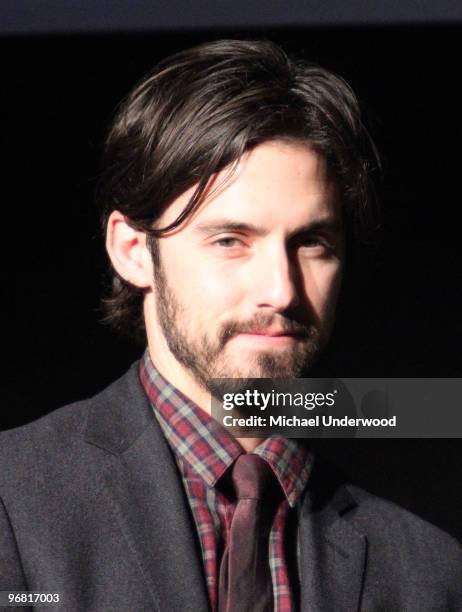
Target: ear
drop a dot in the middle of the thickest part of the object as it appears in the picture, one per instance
(128, 251)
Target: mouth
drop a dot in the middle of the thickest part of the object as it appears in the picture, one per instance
(270, 336)
(273, 332)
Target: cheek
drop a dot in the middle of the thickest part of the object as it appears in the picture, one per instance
(322, 283)
(202, 287)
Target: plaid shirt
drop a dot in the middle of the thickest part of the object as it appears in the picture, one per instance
(204, 450)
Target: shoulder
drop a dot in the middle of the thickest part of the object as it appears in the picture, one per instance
(407, 557)
(31, 444)
(381, 518)
(51, 445)
(407, 545)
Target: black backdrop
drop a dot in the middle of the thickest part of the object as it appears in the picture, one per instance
(58, 94)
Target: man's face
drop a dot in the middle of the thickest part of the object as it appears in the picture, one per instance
(247, 288)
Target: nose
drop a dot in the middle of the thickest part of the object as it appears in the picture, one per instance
(276, 281)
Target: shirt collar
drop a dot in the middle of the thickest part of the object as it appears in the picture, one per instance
(205, 446)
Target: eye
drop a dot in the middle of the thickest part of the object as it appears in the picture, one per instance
(315, 244)
(228, 242)
(312, 241)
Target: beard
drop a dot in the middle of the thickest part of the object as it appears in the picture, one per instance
(206, 356)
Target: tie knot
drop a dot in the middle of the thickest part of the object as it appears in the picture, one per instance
(251, 476)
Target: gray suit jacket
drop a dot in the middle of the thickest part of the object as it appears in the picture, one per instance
(92, 507)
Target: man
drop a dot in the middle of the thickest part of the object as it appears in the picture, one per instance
(233, 178)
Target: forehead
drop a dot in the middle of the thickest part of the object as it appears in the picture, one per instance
(278, 184)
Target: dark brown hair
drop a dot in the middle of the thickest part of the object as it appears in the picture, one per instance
(197, 112)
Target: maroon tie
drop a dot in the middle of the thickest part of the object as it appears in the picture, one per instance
(245, 579)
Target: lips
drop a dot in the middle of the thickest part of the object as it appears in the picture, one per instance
(271, 333)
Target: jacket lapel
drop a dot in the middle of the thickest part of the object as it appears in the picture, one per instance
(332, 551)
(144, 494)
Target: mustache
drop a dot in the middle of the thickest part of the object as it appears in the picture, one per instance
(263, 321)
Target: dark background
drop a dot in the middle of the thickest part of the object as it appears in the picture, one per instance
(404, 319)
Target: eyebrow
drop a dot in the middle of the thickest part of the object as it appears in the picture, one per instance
(228, 225)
